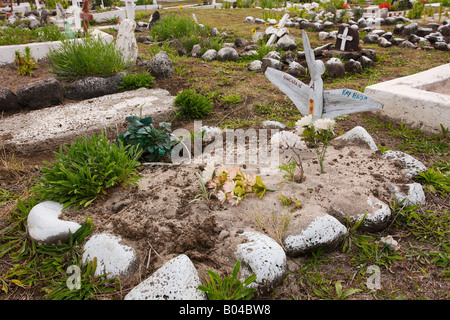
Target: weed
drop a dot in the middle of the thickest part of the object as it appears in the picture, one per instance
(91, 57)
(435, 181)
(87, 169)
(230, 288)
(192, 105)
(232, 99)
(24, 63)
(136, 81)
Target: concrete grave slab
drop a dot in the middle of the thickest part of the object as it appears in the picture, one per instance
(51, 127)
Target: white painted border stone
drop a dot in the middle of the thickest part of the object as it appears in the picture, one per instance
(177, 279)
(113, 258)
(325, 231)
(261, 256)
(45, 227)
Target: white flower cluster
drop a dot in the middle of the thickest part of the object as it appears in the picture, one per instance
(287, 139)
(319, 124)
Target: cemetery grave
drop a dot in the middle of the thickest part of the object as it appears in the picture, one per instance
(166, 221)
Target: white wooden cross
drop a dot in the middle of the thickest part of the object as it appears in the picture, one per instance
(76, 14)
(312, 99)
(281, 24)
(129, 4)
(343, 36)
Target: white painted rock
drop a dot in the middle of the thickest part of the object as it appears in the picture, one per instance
(255, 65)
(263, 257)
(45, 227)
(414, 195)
(113, 258)
(177, 279)
(269, 124)
(355, 205)
(356, 136)
(324, 231)
(411, 166)
(126, 41)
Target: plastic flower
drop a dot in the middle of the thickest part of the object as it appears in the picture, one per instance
(302, 123)
(324, 124)
(221, 196)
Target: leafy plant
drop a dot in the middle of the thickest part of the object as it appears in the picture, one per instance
(192, 105)
(25, 63)
(90, 57)
(289, 168)
(342, 295)
(230, 288)
(145, 140)
(232, 99)
(87, 169)
(136, 81)
(435, 181)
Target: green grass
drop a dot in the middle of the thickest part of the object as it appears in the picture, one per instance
(46, 266)
(91, 57)
(10, 36)
(85, 170)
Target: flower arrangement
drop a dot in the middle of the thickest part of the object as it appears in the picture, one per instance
(385, 5)
(234, 183)
(315, 132)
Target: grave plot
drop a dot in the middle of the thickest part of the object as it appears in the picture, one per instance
(163, 235)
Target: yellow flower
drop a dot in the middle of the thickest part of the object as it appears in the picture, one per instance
(276, 26)
(180, 6)
(253, 31)
(266, 24)
(199, 37)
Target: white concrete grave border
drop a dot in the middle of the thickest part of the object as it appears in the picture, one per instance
(412, 100)
(40, 49)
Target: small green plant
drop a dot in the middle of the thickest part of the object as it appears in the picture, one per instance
(318, 132)
(145, 140)
(289, 168)
(25, 63)
(230, 288)
(136, 81)
(86, 169)
(205, 194)
(435, 181)
(341, 294)
(232, 99)
(91, 57)
(192, 105)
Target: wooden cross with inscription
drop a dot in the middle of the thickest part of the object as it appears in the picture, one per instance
(312, 99)
(86, 16)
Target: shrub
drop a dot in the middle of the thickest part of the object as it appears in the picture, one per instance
(192, 105)
(152, 144)
(87, 169)
(136, 81)
(90, 57)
